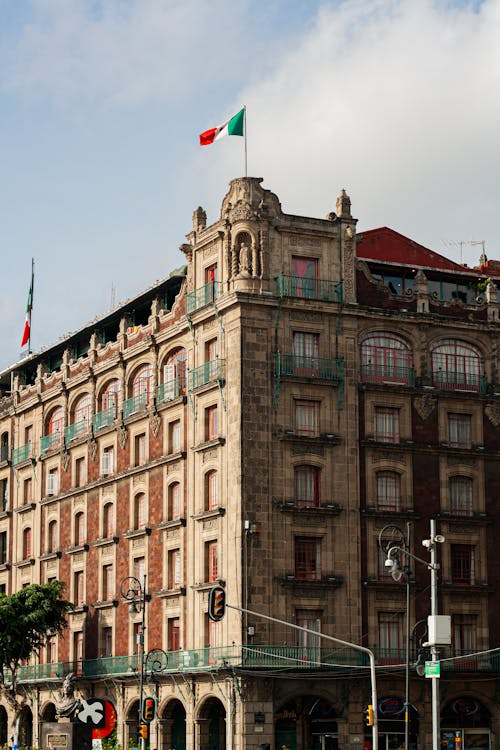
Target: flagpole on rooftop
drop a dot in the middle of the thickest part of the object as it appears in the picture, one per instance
(245, 134)
(32, 289)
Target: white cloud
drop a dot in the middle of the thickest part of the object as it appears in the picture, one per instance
(397, 101)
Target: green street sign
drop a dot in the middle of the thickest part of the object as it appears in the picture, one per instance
(433, 669)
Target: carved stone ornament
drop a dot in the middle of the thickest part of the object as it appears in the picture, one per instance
(492, 411)
(241, 212)
(93, 449)
(65, 459)
(425, 405)
(247, 200)
(122, 436)
(155, 424)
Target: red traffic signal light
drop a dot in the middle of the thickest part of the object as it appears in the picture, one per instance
(217, 603)
(143, 731)
(149, 709)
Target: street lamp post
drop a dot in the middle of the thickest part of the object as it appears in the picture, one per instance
(134, 592)
(392, 549)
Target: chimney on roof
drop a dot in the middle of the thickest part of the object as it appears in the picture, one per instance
(343, 205)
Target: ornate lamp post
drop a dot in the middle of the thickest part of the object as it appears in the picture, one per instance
(134, 592)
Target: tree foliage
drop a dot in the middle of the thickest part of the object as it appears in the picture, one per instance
(27, 619)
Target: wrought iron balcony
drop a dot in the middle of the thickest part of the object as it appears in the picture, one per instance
(387, 374)
(319, 368)
(202, 296)
(304, 288)
(21, 454)
(72, 431)
(170, 390)
(135, 404)
(467, 382)
(47, 442)
(104, 418)
(211, 371)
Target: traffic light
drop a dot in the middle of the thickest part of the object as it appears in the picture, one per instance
(368, 715)
(143, 731)
(149, 709)
(216, 603)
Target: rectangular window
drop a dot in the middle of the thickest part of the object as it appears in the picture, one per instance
(107, 583)
(139, 568)
(464, 633)
(138, 638)
(211, 561)
(390, 633)
(305, 273)
(28, 491)
(459, 430)
(213, 634)
(173, 634)
(388, 491)
(107, 461)
(211, 350)
(386, 424)
(211, 422)
(305, 354)
(212, 490)
(307, 418)
(78, 583)
(3, 547)
(462, 564)
(140, 449)
(27, 544)
(53, 482)
(78, 650)
(4, 495)
(211, 279)
(461, 496)
(174, 501)
(174, 430)
(50, 651)
(310, 644)
(174, 569)
(307, 559)
(107, 642)
(28, 435)
(307, 482)
(80, 471)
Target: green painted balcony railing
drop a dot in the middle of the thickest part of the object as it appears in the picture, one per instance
(202, 296)
(208, 372)
(387, 374)
(320, 368)
(320, 289)
(254, 657)
(104, 418)
(170, 390)
(459, 381)
(21, 454)
(53, 440)
(74, 430)
(135, 404)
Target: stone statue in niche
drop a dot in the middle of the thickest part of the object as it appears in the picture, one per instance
(244, 259)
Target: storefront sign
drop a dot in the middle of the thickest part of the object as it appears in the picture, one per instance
(391, 706)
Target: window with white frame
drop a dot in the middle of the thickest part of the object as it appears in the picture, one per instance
(107, 460)
(174, 501)
(386, 359)
(307, 486)
(306, 418)
(174, 569)
(461, 496)
(386, 424)
(456, 365)
(388, 491)
(459, 430)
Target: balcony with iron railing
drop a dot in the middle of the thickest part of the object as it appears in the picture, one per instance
(135, 404)
(51, 441)
(203, 296)
(319, 368)
(75, 430)
(384, 374)
(465, 382)
(209, 372)
(104, 418)
(22, 453)
(170, 390)
(292, 657)
(326, 290)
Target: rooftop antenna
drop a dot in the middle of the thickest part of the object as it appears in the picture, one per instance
(467, 243)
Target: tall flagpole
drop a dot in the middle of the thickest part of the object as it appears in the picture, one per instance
(31, 301)
(245, 134)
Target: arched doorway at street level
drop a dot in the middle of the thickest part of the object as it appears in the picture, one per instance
(132, 724)
(306, 722)
(173, 726)
(4, 726)
(26, 727)
(466, 723)
(211, 721)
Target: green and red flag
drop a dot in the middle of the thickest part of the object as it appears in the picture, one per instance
(29, 305)
(234, 126)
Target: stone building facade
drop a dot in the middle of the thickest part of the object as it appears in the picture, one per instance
(262, 419)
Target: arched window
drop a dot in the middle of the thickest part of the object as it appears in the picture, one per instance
(307, 486)
(142, 382)
(461, 496)
(139, 510)
(211, 490)
(174, 376)
(456, 366)
(174, 501)
(26, 543)
(54, 430)
(107, 521)
(4, 446)
(52, 536)
(386, 359)
(80, 417)
(110, 397)
(388, 491)
(79, 529)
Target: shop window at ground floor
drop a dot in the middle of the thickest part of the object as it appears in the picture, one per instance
(465, 725)
(306, 723)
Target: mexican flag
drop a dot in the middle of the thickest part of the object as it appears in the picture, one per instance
(27, 324)
(234, 126)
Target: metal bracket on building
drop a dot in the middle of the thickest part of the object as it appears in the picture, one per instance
(190, 689)
(219, 386)
(277, 375)
(191, 404)
(217, 685)
(219, 319)
(237, 685)
(190, 326)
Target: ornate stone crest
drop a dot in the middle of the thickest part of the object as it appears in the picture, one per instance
(492, 411)
(425, 405)
(155, 424)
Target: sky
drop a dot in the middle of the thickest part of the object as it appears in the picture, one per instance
(102, 102)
